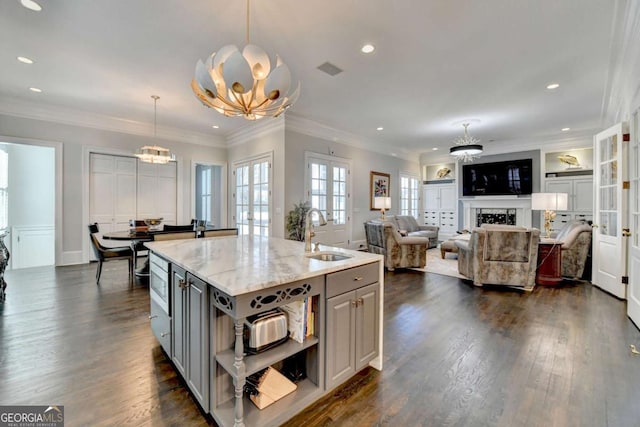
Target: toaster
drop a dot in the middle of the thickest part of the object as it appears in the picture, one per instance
(265, 330)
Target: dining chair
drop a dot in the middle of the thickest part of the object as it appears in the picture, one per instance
(138, 247)
(169, 227)
(174, 236)
(104, 253)
(219, 233)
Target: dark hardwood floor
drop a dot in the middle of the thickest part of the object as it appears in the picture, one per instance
(454, 355)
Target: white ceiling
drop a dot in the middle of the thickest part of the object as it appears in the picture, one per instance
(436, 64)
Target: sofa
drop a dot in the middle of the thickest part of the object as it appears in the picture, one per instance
(384, 238)
(500, 255)
(576, 243)
(408, 226)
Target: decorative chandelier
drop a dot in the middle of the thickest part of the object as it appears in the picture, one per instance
(154, 153)
(243, 84)
(467, 147)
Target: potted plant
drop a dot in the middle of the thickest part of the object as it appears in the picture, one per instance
(295, 221)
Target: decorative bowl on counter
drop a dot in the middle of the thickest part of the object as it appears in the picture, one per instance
(153, 223)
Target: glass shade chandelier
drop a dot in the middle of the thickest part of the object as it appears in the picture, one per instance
(467, 147)
(154, 153)
(243, 83)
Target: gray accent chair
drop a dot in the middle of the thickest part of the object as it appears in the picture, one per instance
(408, 226)
(384, 238)
(576, 242)
(500, 255)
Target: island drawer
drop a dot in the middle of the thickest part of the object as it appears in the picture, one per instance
(161, 326)
(353, 278)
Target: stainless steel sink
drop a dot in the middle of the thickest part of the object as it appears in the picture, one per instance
(328, 256)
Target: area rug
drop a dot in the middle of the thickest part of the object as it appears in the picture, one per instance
(435, 264)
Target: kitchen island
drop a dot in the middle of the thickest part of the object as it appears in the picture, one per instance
(202, 290)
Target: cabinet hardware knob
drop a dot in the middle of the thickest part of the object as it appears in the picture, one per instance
(594, 225)
(358, 278)
(164, 334)
(360, 301)
(354, 303)
(152, 317)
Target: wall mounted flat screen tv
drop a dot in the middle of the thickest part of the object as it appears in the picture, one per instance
(497, 179)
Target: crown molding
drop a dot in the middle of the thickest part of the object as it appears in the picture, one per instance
(322, 131)
(17, 107)
(254, 129)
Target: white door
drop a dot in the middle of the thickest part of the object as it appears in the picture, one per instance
(328, 191)
(157, 191)
(112, 193)
(252, 196)
(609, 245)
(633, 295)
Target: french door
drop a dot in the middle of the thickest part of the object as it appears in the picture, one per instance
(252, 196)
(609, 240)
(633, 294)
(328, 184)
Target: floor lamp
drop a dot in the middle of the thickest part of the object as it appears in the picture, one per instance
(549, 203)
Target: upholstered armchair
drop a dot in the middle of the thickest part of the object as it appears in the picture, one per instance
(500, 255)
(384, 238)
(576, 241)
(408, 226)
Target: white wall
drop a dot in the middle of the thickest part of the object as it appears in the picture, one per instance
(363, 162)
(31, 185)
(76, 143)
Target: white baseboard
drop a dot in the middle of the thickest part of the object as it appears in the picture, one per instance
(71, 258)
(358, 244)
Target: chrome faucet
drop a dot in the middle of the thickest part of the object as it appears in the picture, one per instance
(308, 226)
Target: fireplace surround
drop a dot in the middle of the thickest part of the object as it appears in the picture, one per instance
(500, 209)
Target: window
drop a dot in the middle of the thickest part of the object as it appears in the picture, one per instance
(4, 190)
(409, 195)
(203, 205)
(253, 196)
(327, 184)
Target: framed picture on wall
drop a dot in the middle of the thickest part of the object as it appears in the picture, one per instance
(379, 186)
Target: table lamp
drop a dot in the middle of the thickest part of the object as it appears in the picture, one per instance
(549, 203)
(382, 203)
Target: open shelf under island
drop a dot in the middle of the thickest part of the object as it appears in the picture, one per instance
(202, 290)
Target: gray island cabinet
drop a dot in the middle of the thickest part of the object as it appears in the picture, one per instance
(202, 290)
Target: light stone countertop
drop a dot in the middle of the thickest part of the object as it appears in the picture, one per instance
(245, 264)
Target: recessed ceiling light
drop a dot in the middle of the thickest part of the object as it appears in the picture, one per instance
(435, 149)
(32, 5)
(215, 126)
(35, 89)
(553, 86)
(367, 48)
(566, 129)
(380, 128)
(394, 154)
(24, 60)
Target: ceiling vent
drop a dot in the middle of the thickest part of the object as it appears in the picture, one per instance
(330, 69)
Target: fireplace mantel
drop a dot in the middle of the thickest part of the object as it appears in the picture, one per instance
(470, 206)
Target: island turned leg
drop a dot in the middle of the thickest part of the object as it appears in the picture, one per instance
(239, 381)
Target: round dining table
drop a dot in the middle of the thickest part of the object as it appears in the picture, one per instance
(135, 238)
